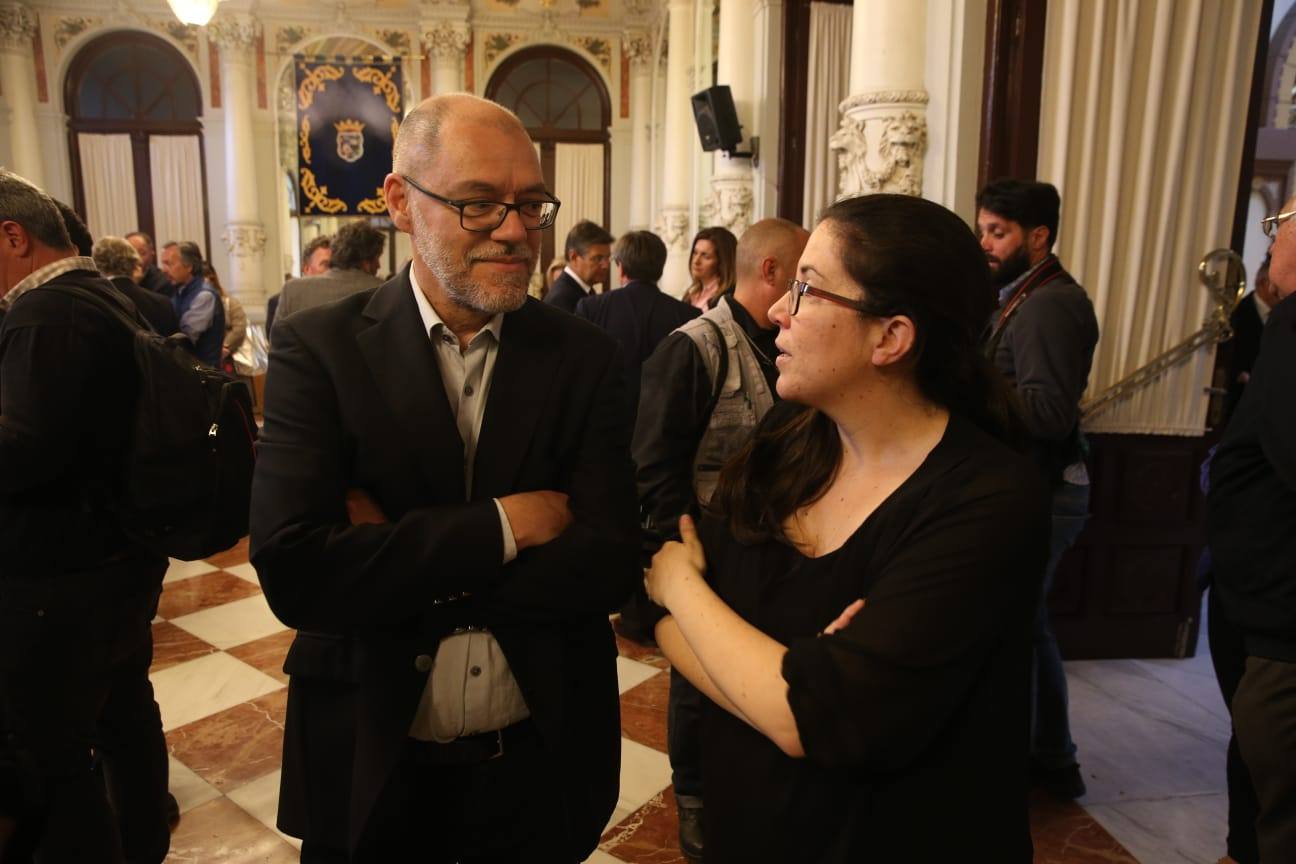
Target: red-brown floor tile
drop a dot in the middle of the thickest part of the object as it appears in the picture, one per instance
(231, 557)
(643, 712)
(202, 592)
(171, 645)
(220, 831)
(234, 746)
(266, 654)
(1064, 833)
(650, 835)
(633, 651)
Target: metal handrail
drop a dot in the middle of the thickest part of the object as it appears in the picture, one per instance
(1224, 276)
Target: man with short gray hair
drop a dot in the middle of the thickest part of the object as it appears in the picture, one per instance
(197, 304)
(77, 595)
(588, 250)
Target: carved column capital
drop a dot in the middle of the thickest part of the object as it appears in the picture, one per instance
(244, 239)
(236, 34)
(638, 47)
(880, 143)
(447, 40)
(17, 26)
(673, 228)
(731, 203)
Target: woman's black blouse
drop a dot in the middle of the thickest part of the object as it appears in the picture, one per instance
(915, 718)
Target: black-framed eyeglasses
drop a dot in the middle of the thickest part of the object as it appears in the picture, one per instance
(480, 215)
(798, 289)
(1270, 224)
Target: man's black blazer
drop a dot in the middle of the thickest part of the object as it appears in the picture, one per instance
(354, 400)
(638, 316)
(1247, 328)
(156, 308)
(565, 293)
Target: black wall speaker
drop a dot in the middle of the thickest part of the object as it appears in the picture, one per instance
(717, 120)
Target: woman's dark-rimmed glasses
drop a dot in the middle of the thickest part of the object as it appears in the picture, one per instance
(798, 289)
(481, 215)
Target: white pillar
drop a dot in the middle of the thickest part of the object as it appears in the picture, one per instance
(731, 182)
(679, 134)
(244, 234)
(446, 43)
(638, 48)
(883, 134)
(767, 103)
(18, 71)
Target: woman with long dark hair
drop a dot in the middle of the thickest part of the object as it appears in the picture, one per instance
(711, 266)
(858, 606)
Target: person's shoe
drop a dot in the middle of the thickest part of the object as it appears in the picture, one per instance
(690, 833)
(1064, 783)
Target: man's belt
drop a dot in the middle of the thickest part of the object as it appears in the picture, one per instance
(475, 749)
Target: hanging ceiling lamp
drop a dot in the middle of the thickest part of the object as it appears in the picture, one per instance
(197, 12)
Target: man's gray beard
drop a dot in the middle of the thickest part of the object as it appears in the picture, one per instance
(455, 281)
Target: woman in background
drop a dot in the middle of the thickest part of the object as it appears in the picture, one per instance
(711, 266)
(858, 607)
(236, 321)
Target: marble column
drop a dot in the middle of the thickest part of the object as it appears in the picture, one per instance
(731, 180)
(18, 72)
(883, 134)
(244, 235)
(680, 139)
(446, 42)
(638, 48)
(767, 103)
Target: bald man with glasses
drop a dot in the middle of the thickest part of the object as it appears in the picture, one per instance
(444, 508)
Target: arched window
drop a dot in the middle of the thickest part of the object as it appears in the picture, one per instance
(135, 135)
(565, 106)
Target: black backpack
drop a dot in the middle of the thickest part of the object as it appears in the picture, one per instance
(188, 479)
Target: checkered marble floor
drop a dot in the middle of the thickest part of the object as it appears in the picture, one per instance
(217, 674)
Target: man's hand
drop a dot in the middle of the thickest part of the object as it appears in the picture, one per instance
(536, 517)
(362, 510)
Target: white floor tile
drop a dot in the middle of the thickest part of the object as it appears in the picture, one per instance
(644, 773)
(189, 789)
(244, 571)
(199, 688)
(260, 799)
(632, 673)
(232, 623)
(1188, 830)
(184, 569)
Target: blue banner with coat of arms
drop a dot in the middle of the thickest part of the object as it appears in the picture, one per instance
(347, 116)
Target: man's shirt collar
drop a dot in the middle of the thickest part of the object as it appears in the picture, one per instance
(45, 274)
(431, 319)
(586, 287)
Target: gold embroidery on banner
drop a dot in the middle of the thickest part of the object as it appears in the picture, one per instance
(317, 196)
(374, 205)
(382, 84)
(314, 83)
(395, 128)
(304, 138)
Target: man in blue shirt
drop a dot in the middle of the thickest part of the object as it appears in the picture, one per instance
(197, 304)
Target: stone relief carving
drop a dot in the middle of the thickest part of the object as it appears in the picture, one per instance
(897, 164)
(287, 37)
(244, 239)
(637, 47)
(884, 97)
(447, 40)
(234, 32)
(673, 228)
(498, 43)
(730, 205)
(397, 39)
(69, 28)
(597, 46)
(17, 25)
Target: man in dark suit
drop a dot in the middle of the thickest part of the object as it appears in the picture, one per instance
(444, 508)
(153, 279)
(1248, 321)
(118, 262)
(589, 252)
(637, 315)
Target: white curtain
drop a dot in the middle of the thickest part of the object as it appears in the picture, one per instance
(1144, 106)
(827, 84)
(108, 182)
(175, 163)
(578, 183)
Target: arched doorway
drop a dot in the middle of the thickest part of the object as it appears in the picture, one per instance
(564, 104)
(135, 139)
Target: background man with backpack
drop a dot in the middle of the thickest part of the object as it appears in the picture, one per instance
(702, 393)
(78, 722)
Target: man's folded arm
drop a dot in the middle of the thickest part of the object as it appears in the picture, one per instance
(319, 571)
